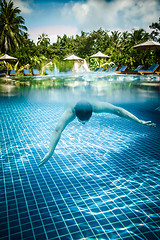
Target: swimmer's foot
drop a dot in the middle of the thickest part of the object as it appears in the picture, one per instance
(148, 123)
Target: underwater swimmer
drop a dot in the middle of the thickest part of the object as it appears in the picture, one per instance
(83, 111)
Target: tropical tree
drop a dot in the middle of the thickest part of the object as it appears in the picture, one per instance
(83, 45)
(155, 34)
(26, 51)
(115, 40)
(12, 28)
(43, 40)
(138, 36)
(43, 45)
(99, 40)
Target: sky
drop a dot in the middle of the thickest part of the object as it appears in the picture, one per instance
(70, 17)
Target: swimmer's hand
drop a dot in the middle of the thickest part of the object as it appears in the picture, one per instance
(148, 123)
(43, 161)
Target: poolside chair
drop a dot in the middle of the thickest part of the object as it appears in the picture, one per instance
(35, 72)
(101, 69)
(121, 69)
(96, 69)
(2, 73)
(140, 67)
(26, 72)
(48, 72)
(150, 70)
(12, 73)
(114, 69)
(108, 69)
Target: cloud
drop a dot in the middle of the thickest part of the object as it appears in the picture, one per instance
(113, 14)
(70, 17)
(24, 6)
(52, 32)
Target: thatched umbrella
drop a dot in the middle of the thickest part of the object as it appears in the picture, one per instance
(6, 58)
(148, 45)
(99, 55)
(73, 57)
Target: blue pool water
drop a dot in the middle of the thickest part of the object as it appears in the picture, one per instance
(103, 181)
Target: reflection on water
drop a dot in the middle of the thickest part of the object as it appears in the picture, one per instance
(71, 87)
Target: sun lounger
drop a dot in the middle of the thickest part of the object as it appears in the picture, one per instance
(26, 72)
(114, 69)
(150, 70)
(121, 69)
(35, 72)
(12, 73)
(47, 72)
(140, 67)
(108, 69)
(101, 69)
(2, 73)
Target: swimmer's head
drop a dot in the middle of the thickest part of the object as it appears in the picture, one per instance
(83, 111)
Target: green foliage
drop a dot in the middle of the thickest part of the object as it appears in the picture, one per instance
(12, 29)
(155, 34)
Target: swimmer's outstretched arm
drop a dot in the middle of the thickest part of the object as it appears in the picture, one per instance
(109, 108)
(66, 118)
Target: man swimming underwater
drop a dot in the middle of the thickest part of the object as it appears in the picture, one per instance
(83, 111)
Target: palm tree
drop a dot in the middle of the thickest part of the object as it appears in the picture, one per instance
(115, 40)
(43, 40)
(12, 28)
(155, 34)
(138, 36)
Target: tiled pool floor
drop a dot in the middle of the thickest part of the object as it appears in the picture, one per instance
(103, 181)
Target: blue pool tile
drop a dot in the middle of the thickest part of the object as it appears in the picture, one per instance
(16, 236)
(52, 234)
(14, 230)
(27, 234)
(4, 231)
(101, 183)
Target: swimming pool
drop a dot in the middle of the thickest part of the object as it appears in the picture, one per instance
(103, 181)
